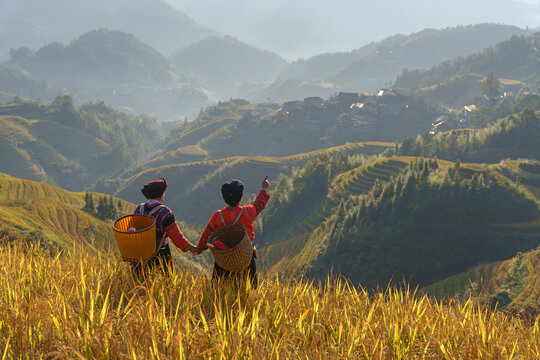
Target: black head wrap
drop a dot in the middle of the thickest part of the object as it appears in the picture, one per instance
(232, 192)
(154, 189)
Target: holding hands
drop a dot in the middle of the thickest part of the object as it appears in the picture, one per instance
(195, 250)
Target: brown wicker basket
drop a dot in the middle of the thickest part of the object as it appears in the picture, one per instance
(238, 257)
(139, 244)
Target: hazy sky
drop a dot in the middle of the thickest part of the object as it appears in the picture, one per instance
(302, 28)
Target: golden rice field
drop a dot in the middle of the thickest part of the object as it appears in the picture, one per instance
(86, 306)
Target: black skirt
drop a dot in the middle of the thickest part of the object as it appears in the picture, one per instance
(220, 273)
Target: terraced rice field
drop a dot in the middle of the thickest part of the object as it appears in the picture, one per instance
(360, 180)
(30, 207)
(17, 189)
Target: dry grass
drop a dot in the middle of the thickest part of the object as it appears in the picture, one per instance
(87, 306)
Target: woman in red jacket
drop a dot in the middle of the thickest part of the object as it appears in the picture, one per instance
(232, 192)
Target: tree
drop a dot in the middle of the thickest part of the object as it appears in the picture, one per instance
(21, 53)
(66, 113)
(102, 208)
(491, 87)
(89, 205)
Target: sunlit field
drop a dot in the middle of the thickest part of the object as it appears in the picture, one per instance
(88, 306)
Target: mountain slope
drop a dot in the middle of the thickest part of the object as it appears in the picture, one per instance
(514, 283)
(33, 23)
(115, 67)
(39, 211)
(99, 58)
(194, 186)
(516, 136)
(296, 126)
(515, 60)
(225, 63)
(373, 65)
(426, 222)
(70, 146)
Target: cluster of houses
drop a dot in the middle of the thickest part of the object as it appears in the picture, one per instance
(357, 115)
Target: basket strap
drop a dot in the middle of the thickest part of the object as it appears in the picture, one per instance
(222, 219)
(156, 209)
(238, 217)
(141, 209)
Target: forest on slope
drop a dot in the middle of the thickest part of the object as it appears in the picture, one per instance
(71, 146)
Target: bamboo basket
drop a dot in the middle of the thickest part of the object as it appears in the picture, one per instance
(136, 245)
(238, 257)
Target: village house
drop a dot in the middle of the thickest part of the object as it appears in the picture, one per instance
(250, 120)
(443, 123)
(391, 103)
(465, 118)
(313, 101)
(363, 119)
(345, 99)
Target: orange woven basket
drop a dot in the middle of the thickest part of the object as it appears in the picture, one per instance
(238, 257)
(139, 244)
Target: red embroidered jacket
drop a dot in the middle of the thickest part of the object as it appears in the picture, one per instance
(230, 214)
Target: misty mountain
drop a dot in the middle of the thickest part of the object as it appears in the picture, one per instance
(115, 67)
(516, 62)
(373, 65)
(34, 23)
(225, 62)
(96, 59)
(15, 81)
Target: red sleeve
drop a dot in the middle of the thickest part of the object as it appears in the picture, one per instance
(173, 231)
(258, 204)
(210, 227)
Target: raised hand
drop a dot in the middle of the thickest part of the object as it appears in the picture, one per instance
(265, 184)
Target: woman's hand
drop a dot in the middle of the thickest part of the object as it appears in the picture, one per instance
(195, 250)
(265, 184)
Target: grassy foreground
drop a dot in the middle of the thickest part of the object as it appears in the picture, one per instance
(86, 306)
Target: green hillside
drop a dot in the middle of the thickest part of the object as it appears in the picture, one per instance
(407, 218)
(194, 186)
(458, 82)
(516, 136)
(69, 146)
(423, 221)
(514, 283)
(361, 179)
(241, 128)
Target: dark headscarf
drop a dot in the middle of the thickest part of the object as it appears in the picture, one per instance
(232, 192)
(154, 189)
